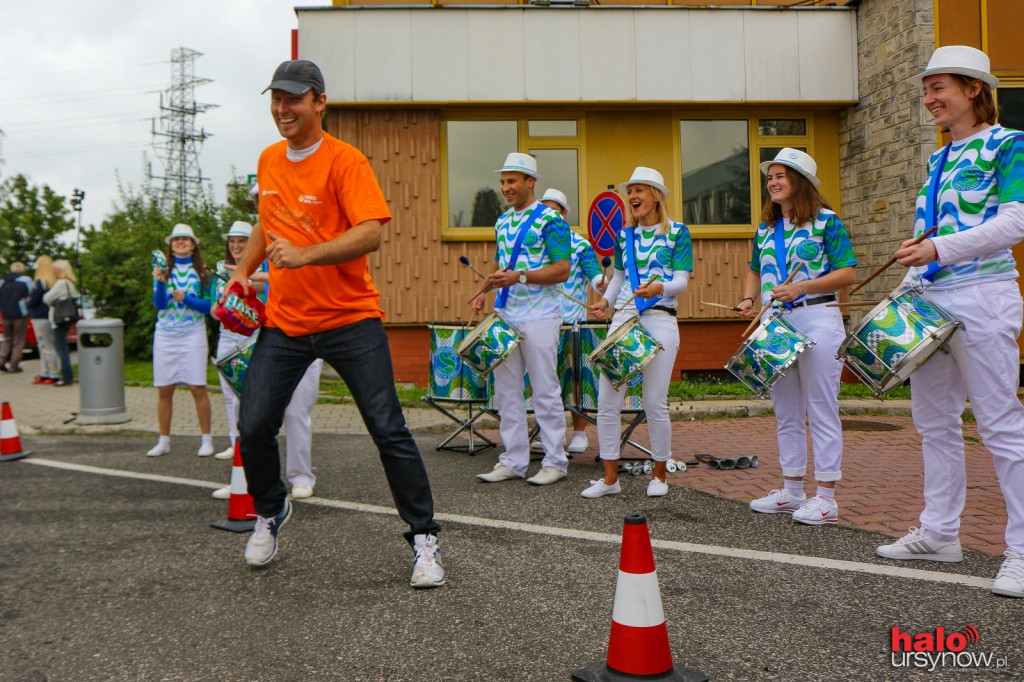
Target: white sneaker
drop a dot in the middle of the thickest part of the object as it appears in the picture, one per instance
(1009, 581)
(778, 502)
(578, 443)
(499, 473)
(546, 476)
(817, 511)
(301, 491)
(205, 450)
(537, 446)
(918, 545)
(657, 488)
(599, 488)
(222, 493)
(229, 453)
(262, 544)
(427, 570)
(158, 450)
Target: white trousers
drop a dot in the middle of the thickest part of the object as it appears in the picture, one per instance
(808, 396)
(982, 365)
(537, 353)
(49, 362)
(657, 375)
(298, 425)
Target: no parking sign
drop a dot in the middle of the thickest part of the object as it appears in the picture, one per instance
(606, 217)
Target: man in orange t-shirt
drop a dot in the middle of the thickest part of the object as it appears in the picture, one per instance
(321, 212)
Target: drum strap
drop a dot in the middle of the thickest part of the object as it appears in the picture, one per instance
(629, 255)
(502, 297)
(930, 214)
(782, 256)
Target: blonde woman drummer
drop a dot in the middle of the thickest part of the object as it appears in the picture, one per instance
(659, 248)
(798, 227)
(978, 205)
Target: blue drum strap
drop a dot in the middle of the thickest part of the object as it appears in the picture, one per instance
(629, 255)
(931, 201)
(502, 297)
(782, 255)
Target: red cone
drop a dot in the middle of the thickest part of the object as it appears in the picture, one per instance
(638, 646)
(10, 441)
(241, 512)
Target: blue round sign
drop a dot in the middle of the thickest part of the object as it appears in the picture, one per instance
(606, 217)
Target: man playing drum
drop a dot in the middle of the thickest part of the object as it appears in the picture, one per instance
(975, 196)
(531, 257)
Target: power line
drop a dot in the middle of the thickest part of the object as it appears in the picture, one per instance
(68, 123)
(78, 96)
(73, 150)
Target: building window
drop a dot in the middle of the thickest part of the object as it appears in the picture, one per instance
(475, 150)
(559, 168)
(716, 172)
(1011, 107)
(768, 127)
(565, 128)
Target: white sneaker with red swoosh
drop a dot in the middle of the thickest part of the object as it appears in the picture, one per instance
(817, 511)
(778, 502)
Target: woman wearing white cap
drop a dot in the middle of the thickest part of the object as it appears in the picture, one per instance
(652, 246)
(975, 195)
(800, 230)
(182, 299)
(297, 416)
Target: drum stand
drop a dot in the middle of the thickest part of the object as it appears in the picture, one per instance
(639, 417)
(472, 415)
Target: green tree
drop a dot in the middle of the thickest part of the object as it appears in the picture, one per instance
(487, 206)
(31, 220)
(116, 259)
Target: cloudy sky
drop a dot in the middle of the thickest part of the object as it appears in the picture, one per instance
(81, 83)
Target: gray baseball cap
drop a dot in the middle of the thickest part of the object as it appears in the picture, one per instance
(297, 77)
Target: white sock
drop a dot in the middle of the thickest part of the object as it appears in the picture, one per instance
(164, 442)
(579, 433)
(207, 439)
(794, 488)
(828, 493)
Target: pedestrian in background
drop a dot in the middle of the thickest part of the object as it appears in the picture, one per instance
(39, 312)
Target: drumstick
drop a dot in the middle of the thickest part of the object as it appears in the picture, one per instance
(486, 287)
(465, 261)
(851, 304)
(605, 262)
(629, 300)
(573, 299)
(757, 318)
(892, 260)
(719, 305)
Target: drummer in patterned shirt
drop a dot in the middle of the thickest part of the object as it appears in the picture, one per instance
(531, 257)
(799, 228)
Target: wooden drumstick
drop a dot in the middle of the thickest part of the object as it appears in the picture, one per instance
(629, 300)
(851, 304)
(605, 262)
(573, 299)
(465, 261)
(719, 305)
(757, 318)
(486, 287)
(888, 263)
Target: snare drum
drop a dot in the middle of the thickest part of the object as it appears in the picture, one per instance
(489, 344)
(764, 357)
(896, 338)
(232, 364)
(450, 378)
(625, 352)
(589, 336)
(564, 368)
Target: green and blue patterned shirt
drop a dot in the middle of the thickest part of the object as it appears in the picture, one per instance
(180, 318)
(656, 254)
(546, 242)
(583, 268)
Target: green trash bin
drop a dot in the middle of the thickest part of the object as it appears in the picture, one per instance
(101, 372)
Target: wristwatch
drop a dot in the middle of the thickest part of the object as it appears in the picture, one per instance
(522, 276)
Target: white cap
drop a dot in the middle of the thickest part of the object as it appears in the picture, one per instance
(645, 176)
(961, 59)
(520, 163)
(559, 198)
(798, 161)
(182, 230)
(239, 228)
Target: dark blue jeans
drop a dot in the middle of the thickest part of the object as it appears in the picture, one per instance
(359, 353)
(60, 342)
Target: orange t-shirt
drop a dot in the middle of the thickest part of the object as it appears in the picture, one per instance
(310, 202)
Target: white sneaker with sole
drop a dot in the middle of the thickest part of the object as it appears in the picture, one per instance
(578, 443)
(499, 473)
(300, 491)
(205, 450)
(918, 545)
(427, 570)
(817, 511)
(158, 450)
(778, 502)
(226, 454)
(546, 476)
(1009, 581)
(657, 488)
(262, 544)
(537, 446)
(599, 488)
(222, 493)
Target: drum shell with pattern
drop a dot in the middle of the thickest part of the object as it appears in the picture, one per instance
(489, 343)
(625, 352)
(451, 379)
(564, 369)
(590, 335)
(896, 337)
(764, 357)
(233, 364)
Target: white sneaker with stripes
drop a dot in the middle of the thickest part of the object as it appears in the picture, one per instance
(918, 545)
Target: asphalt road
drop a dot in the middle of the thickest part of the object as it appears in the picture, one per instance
(108, 575)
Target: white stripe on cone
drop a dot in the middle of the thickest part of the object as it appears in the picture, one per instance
(238, 484)
(8, 429)
(638, 600)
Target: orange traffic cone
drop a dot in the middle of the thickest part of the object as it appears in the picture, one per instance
(241, 512)
(10, 441)
(638, 647)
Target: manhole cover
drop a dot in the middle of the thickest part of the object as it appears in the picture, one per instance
(861, 425)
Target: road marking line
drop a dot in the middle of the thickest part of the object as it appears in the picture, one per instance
(575, 534)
